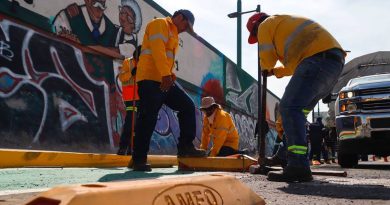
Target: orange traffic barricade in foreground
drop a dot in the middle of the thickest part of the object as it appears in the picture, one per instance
(207, 189)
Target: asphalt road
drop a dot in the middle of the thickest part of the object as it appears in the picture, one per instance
(367, 184)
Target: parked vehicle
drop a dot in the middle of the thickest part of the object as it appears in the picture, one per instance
(363, 118)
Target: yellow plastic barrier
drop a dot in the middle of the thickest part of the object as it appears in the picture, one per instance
(206, 189)
(14, 158)
(235, 163)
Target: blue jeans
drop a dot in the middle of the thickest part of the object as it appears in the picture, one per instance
(313, 79)
(151, 100)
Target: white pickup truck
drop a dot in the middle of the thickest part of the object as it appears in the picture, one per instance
(362, 112)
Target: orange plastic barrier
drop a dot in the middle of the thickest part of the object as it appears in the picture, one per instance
(235, 163)
(206, 189)
(14, 158)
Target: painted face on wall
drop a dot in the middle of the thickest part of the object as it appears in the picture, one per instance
(96, 9)
(127, 19)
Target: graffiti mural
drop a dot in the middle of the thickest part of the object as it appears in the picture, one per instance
(47, 87)
(241, 96)
(59, 63)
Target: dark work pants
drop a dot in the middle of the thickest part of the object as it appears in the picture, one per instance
(316, 147)
(226, 151)
(127, 126)
(151, 100)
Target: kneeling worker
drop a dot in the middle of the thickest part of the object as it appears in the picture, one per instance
(218, 125)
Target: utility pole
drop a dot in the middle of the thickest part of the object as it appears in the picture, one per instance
(239, 55)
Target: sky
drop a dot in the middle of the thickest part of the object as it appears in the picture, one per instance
(360, 26)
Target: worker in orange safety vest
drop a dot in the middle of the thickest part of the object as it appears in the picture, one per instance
(130, 97)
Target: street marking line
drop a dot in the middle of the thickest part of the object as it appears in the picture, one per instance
(21, 191)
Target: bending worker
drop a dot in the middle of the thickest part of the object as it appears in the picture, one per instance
(218, 125)
(130, 98)
(156, 86)
(315, 60)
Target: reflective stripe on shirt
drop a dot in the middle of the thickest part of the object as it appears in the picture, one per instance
(149, 52)
(158, 36)
(266, 47)
(292, 36)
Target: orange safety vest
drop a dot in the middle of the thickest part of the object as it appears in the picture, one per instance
(129, 86)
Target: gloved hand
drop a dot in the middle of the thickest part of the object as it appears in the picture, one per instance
(166, 83)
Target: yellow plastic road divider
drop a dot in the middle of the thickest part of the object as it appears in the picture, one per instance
(207, 189)
(16, 158)
(233, 163)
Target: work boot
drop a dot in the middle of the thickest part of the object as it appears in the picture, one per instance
(139, 166)
(275, 161)
(291, 174)
(190, 151)
(316, 162)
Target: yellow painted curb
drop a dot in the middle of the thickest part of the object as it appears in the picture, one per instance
(15, 158)
(206, 189)
(234, 163)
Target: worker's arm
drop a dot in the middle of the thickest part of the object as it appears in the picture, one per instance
(267, 50)
(205, 135)
(158, 37)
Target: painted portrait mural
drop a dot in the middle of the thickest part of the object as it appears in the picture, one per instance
(59, 88)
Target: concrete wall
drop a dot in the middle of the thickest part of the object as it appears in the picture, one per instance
(63, 94)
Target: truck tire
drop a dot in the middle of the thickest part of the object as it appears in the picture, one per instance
(348, 160)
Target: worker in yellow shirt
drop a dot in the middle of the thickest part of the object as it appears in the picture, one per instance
(218, 127)
(157, 86)
(314, 59)
(127, 75)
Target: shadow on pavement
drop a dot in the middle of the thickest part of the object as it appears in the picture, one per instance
(133, 175)
(346, 191)
(374, 166)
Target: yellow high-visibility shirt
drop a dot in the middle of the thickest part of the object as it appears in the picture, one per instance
(290, 39)
(222, 132)
(159, 46)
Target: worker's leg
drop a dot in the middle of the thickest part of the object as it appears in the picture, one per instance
(124, 142)
(315, 151)
(151, 99)
(226, 151)
(280, 157)
(312, 80)
(179, 101)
